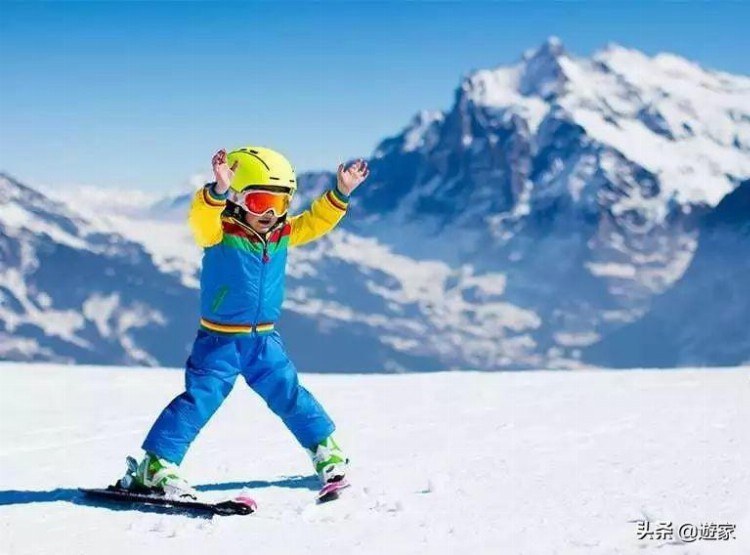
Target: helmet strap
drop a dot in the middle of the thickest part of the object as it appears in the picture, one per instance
(234, 211)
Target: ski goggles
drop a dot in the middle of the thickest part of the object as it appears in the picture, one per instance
(258, 201)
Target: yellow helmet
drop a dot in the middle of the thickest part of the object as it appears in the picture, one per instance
(261, 167)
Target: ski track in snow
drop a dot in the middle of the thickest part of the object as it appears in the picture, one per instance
(456, 462)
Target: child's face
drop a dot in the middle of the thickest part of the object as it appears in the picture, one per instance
(263, 223)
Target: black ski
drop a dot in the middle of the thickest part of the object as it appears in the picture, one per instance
(238, 506)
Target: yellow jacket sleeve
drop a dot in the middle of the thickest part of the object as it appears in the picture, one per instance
(205, 216)
(322, 216)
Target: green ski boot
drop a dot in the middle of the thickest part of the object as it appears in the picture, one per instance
(330, 462)
(159, 474)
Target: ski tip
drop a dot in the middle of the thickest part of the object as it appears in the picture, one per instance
(246, 506)
(249, 501)
(331, 491)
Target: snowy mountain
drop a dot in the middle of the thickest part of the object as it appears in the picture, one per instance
(460, 462)
(121, 288)
(703, 319)
(581, 180)
(554, 124)
(72, 290)
(540, 213)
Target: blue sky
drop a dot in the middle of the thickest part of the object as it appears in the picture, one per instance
(119, 94)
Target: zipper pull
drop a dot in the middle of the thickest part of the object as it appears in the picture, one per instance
(266, 258)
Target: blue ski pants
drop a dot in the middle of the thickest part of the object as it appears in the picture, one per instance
(211, 370)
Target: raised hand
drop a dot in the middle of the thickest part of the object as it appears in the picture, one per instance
(350, 178)
(222, 172)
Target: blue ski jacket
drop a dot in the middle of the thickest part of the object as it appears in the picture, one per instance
(242, 279)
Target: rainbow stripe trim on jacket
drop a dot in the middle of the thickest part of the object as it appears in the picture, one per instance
(336, 199)
(236, 328)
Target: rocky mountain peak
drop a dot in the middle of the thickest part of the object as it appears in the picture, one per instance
(542, 72)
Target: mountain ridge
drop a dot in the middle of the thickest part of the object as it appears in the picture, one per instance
(544, 210)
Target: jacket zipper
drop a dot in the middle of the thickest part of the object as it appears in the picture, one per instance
(263, 261)
(261, 293)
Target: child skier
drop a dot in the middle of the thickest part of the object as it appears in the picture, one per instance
(241, 222)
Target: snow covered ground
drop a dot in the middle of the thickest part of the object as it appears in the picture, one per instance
(461, 462)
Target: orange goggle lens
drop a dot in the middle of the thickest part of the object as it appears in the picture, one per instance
(259, 202)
